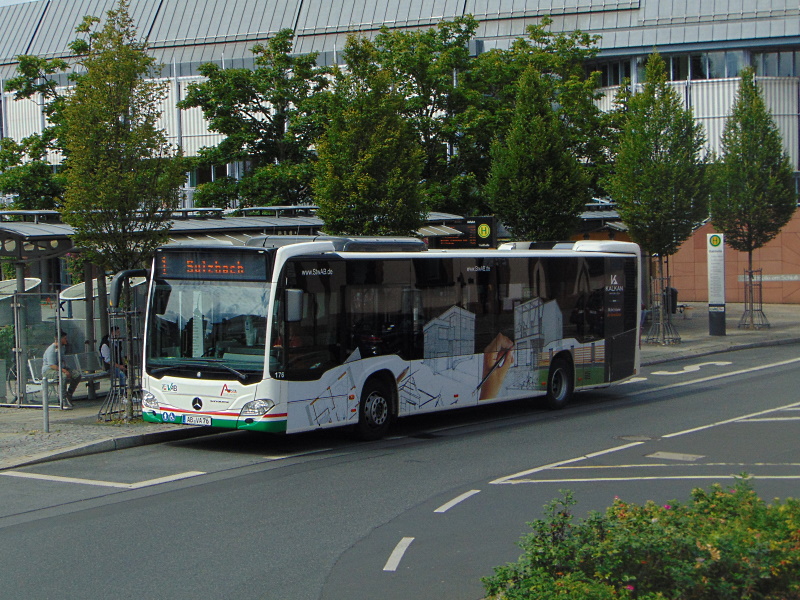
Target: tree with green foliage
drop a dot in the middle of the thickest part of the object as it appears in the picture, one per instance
(753, 195)
(123, 177)
(270, 116)
(537, 186)
(370, 160)
(562, 57)
(425, 67)
(659, 181)
(26, 173)
(25, 170)
(491, 85)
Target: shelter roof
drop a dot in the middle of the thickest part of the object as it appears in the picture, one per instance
(30, 240)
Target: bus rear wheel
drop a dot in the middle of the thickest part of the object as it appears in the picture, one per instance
(560, 384)
(374, 410)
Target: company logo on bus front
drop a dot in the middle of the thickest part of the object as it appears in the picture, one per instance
(197, 404)
(614, 285)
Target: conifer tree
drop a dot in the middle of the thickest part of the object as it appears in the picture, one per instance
(753, 195)
(659, 181)
(370, 160)
(536, 186)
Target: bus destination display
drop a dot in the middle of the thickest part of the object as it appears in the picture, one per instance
(248, 266)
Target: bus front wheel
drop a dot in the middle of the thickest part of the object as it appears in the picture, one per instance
(374, 410)
(560, 384)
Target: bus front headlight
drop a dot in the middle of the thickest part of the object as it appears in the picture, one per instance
(256, 408)
(149, 401)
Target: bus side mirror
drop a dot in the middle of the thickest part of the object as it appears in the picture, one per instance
(115, 288)
(294, 305)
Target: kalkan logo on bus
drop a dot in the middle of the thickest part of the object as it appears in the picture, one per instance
(613, 285)
(226, 390)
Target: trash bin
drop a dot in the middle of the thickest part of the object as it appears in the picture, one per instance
(671, 300)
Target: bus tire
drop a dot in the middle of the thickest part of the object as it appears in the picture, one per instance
(560, 384)
(374, 410)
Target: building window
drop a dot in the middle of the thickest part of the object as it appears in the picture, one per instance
(613, 73)
(716, 65)
(679, 68)
(207, 174)
(699, 66)
(786, 64)
(775, 64)
(769, 64)
(734, 63)
(641, 68)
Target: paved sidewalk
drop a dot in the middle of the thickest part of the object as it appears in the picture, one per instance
(692, 326)
(78, 432)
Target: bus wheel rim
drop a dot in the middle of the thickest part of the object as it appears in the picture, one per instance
(377, 409)
(559, 386)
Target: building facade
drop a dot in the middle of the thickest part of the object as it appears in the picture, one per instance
(705, 42)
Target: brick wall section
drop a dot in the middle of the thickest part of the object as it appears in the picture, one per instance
(781, 257)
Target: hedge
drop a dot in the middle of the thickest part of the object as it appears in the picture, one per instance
(725, 543)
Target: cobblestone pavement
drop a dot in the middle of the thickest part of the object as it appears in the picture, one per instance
(77, 432)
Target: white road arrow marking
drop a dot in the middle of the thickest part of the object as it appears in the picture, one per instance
(114, 484)
(692, 368)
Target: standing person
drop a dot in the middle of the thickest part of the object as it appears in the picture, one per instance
(111, 353)
(50, 365)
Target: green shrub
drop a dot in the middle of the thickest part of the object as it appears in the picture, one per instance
(723, 544)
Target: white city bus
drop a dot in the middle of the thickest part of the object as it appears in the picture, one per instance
(290, 334)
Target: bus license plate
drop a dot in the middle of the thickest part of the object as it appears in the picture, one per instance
(196, 420)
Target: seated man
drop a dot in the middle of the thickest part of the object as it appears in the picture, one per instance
(52, 357)
(112, 355)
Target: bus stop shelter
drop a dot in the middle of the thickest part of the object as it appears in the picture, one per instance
(34, 241)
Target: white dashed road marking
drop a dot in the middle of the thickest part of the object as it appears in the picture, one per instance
(652, 478)
(397, 554)
(714, 377)
(514, 478)
(448, 505)
(524, 476)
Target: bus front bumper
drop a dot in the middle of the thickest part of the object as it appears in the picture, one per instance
(266, 424)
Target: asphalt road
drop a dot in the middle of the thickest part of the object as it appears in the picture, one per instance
(423, 514)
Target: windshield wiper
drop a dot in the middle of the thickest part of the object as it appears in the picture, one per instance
(215, 363)
(242, 377)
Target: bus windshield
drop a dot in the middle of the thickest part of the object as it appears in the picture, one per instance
(207, 329)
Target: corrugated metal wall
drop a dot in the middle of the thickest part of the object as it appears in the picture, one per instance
(24, 117)
(711, 102)
(183, 29)
(781, 97)
(194, 127)
(185, 33)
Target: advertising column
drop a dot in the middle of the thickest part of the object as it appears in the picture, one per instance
(716, 283)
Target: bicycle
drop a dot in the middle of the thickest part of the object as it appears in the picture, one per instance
(12, 381)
